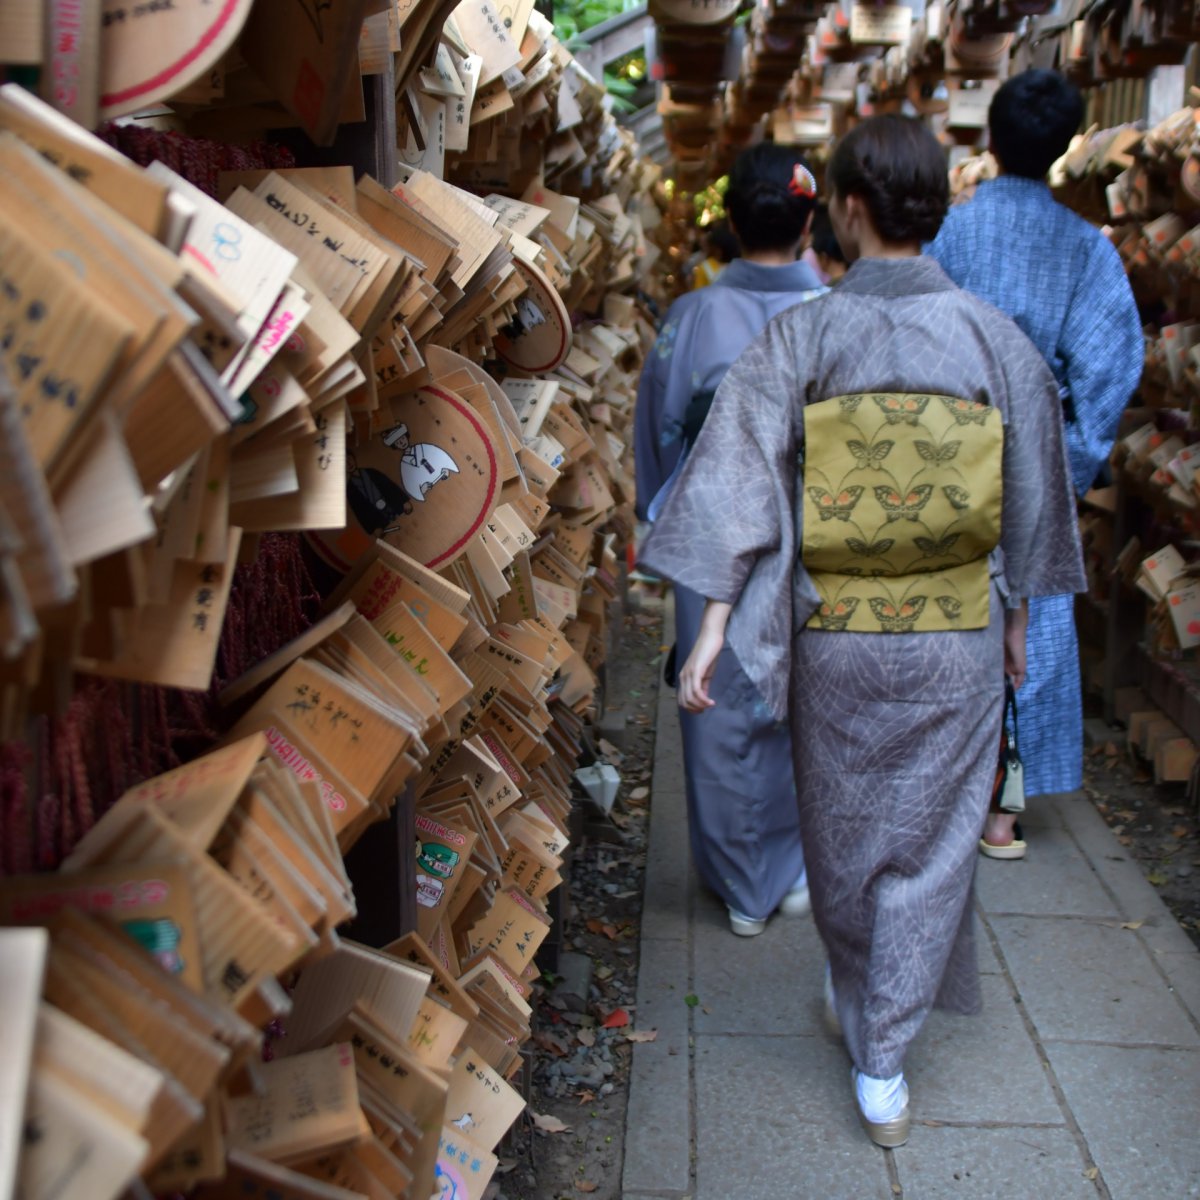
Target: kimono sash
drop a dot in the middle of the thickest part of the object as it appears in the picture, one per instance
(902, 502)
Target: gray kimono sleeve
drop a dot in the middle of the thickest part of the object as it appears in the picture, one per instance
(1040, 526)
(732, 501)
(728, 530)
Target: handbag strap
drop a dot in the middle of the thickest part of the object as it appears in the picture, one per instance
(1010, 705)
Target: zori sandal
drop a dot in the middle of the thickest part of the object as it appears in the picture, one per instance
(1015, 849)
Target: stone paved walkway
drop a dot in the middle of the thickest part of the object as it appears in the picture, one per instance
(1082, 1080)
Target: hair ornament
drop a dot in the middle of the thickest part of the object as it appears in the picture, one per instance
(802, 183)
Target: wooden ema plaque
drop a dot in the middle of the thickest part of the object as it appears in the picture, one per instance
(150, 51)
(539, 338)
(426, 485)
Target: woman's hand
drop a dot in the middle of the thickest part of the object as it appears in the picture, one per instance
(1016, 621)
(698, 671)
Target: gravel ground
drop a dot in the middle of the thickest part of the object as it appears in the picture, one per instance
(572, 1143)
(1157, 824)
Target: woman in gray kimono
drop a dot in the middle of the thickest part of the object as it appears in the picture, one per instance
(880, 487)
(744, 828)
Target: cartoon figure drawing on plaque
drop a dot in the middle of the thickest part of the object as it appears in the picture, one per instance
(449, 1186)
(529, 316)
(439, 859)
(378, 500)
(429, 891)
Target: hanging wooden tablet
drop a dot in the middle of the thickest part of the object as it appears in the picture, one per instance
(539, 337)
(148, 52)
(425, 485)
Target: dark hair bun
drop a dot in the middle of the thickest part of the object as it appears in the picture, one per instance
(896, 166)
(769, 210)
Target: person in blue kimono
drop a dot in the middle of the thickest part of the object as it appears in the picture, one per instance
(742, 809)
(1062, 282)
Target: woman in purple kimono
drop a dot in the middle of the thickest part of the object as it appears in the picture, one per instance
(744, 828)
(880, 487)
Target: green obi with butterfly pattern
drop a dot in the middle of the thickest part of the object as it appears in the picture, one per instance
(902, 499)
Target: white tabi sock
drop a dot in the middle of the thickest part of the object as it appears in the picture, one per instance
(881, 1099)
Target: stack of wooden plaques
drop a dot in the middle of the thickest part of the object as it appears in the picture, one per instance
(224, 371)
(433, 384)
(169, 927)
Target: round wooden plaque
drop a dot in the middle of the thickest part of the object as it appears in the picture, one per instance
(152, 49)
(540, 337)
(426, 485)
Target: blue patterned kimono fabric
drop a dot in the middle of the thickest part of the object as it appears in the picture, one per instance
(1063, 283)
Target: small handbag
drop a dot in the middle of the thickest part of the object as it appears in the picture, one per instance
(1008, 795)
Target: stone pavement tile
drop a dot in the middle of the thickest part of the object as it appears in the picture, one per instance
(980, 1069)
(1087, 981)
(1137, 1110)
(661, 988)
(1044, 812)
(765, 984)
(1055, 879)
(658, 1141)
(988, 1164)
(1164, 935)
(985, 952)
(1183, 977)
(665, 895)
(775, 1118)
(1121, 875)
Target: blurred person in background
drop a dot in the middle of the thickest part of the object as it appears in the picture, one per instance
(743, 822)
(1061, 280)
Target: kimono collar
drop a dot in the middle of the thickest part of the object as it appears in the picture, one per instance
(895, 277)
(754, 277)
(1015, 185)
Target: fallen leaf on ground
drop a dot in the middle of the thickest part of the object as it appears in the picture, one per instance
(554, 1042)
(691, 1000)
(1180, 831)
(1157, 878)
(505, 1165)
(1091, 1173)
(609, 931)
(548, 1124)
(586, 1037)
(617, 1019)
(1132, 924)
(639, 793)
(585, 1185)
(604, 972)
(638, 1035)
(586, 1096)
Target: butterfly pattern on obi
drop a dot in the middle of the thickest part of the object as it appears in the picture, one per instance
(906, 410)
(966, 412)
(897, 618)
(840, 506)
(836, 616)
(907, 506)
(869, 456)
(894, 468)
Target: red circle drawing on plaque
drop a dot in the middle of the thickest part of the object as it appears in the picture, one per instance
(425, 485)
(541, 336)
(149, 52)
